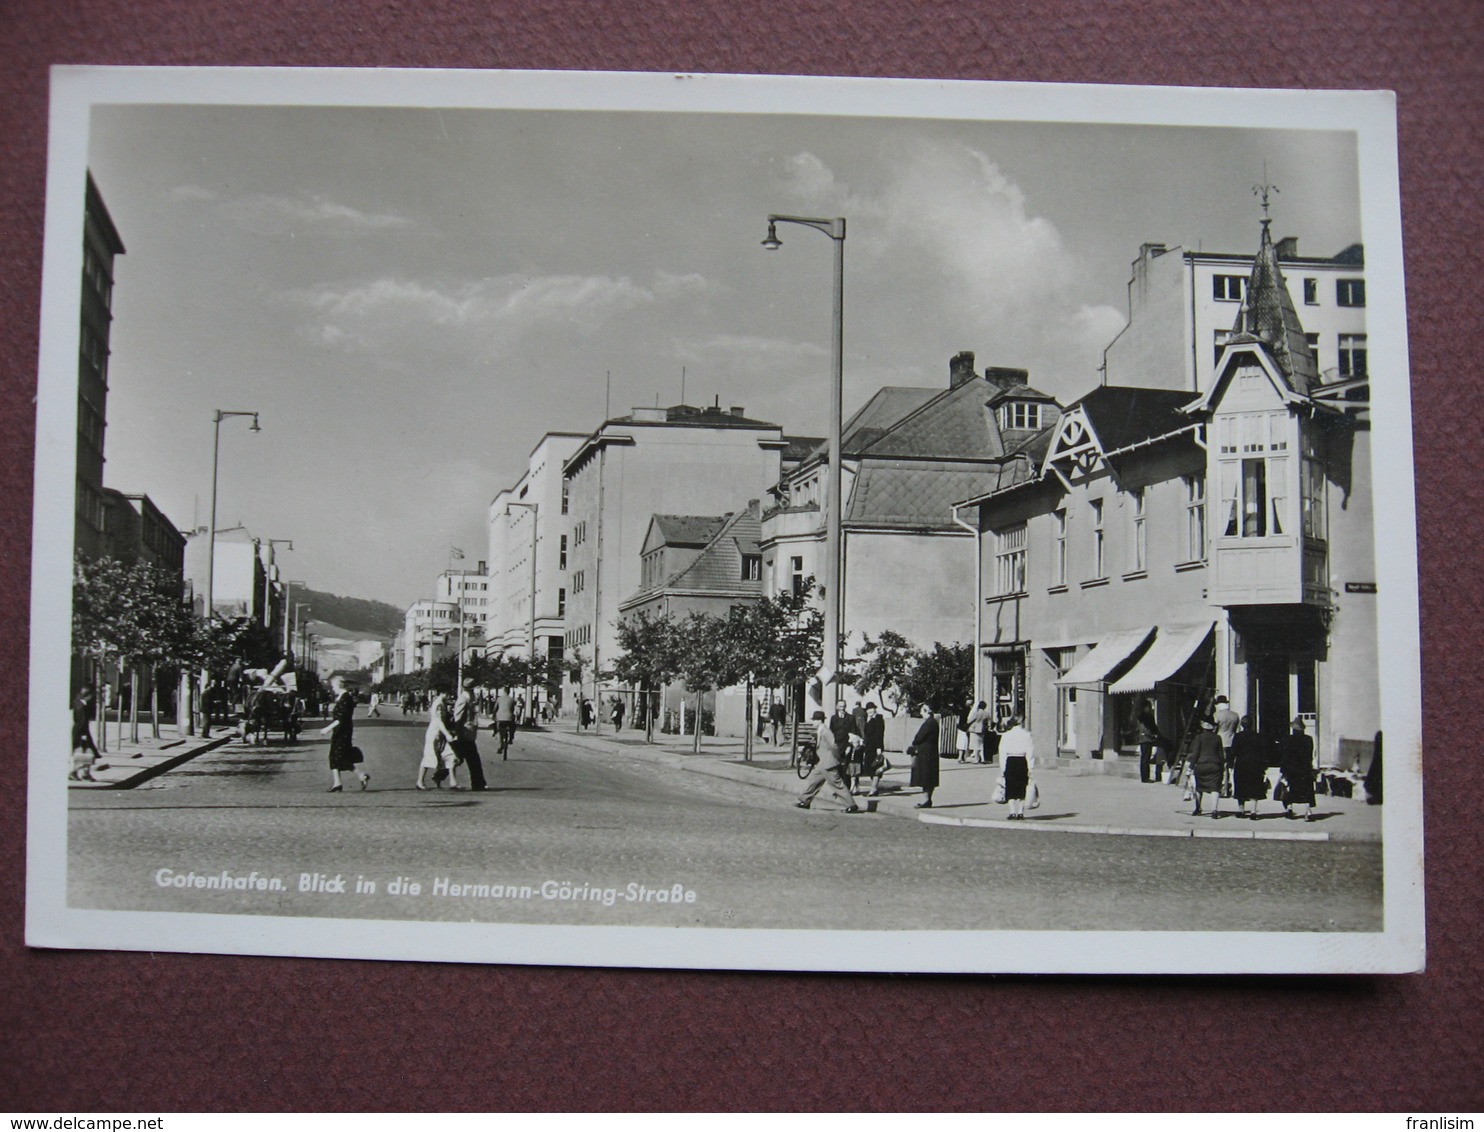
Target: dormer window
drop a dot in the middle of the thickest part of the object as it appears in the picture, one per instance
(752, 567)
(1022, 415)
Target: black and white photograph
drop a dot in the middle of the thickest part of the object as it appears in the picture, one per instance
(724, 522)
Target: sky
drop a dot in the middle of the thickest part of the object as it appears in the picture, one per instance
(411, 297)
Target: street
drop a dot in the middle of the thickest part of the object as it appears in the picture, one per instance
(572, 836)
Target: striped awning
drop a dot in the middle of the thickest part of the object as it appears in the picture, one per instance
(1106, 656)
(1173, 646)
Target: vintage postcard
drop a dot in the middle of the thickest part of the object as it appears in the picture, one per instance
(724, 521)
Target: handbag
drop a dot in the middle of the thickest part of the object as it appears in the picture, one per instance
(356, 756)
(1033, 797)
(1280, 792)
(1000, 793)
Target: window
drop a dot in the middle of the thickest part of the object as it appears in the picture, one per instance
(1254, 494)
(1010, 545)
(1139, 546)
(1353, 355)
(796, 569)
(1350, 292)
(1020, 415)
(1195, 518)
(1059, 547)
(561, 603)
(1311, 489)
(1096, 507)
(562, 555)
(752, 567)
(1227, 288)
(566, 492)
(1313, 341)
(1311, 291)
(579, 581)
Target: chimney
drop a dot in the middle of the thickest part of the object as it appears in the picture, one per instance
(737, 411)
(960, 368)
(1287, 247)
(1003, 377)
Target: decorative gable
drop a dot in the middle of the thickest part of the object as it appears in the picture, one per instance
(1076, 454)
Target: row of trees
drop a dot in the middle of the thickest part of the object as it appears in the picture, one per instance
(774, 643)
(544, 673)
(129, 617)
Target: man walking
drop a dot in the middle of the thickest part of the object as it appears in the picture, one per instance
(505, 721)
(465, 728)
(827, 769)
(1226, 723)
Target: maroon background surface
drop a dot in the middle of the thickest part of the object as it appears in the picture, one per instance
(124, 1031)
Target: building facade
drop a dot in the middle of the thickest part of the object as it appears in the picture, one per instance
(101, 244)
(679, 459)
(531, 516)
(1175, 543)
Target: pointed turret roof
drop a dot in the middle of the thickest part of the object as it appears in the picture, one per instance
(1268, 315)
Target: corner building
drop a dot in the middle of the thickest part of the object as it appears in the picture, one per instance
(1177, 542)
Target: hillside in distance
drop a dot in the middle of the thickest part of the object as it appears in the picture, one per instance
(357, 616)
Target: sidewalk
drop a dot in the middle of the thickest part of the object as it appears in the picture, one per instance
(1071, 803)
(123, 768)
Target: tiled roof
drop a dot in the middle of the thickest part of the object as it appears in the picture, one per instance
(1268, 314)
(888, 406)
(685, 530)
(903, 493)
(719, 566)
(1122, 415)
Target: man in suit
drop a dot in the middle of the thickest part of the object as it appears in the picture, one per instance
(465, 728)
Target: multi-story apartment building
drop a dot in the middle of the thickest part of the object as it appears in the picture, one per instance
(908, 454)
(469, 591)
(675, 460)
(140, 531)
(1177, 542)
(530, 515)
(430, 632)
(101, 244)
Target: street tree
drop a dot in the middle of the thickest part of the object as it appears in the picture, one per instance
(649, 658)
(942, 678)
(886, 664)
(708, 658)
(795, 628)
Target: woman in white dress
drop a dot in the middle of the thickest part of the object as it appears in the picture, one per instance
(438, 755)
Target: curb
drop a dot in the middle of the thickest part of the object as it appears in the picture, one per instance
(1130, 831)
(164, 766)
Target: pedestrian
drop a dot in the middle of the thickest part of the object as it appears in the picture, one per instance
(827, 770)
(585, 714)
(1297, 755)
(344, 757)
(617, 715)
(873, 749)
(505, 721)
(777, 717)
(465, 728)
(1017, 757)
(438, 752)
(979, 718)
(520, 710)
(1226, 722)
(1207, 766)
(1151, 741)
(85, 757)
(760, 708)
(924, 752)
(1249, 768)
(375, 712)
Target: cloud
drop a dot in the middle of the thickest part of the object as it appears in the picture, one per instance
(262, 211)
(947, 238)
(476, 316)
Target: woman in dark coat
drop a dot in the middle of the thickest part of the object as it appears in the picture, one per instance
(873, 748)
(341, 729)
(1208, 766)
(1297, 753)
(1249, 769)
(924, 751)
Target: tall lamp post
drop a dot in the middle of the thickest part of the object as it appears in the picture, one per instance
(209, 611)
(834, 575)
(535, 510)
(303, 644)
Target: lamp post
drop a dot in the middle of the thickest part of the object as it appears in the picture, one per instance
(834, 575)
(288, 615)
(302, 643)
(216, 450)
(535, 510)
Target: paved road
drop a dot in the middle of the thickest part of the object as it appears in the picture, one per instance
(580, 825)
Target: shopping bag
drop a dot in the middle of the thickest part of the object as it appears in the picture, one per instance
(1033, 797)
(1000, 793)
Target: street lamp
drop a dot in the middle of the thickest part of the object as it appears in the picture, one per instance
(535, 510)
(834, 575)
(216, 449)
(298, 605)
